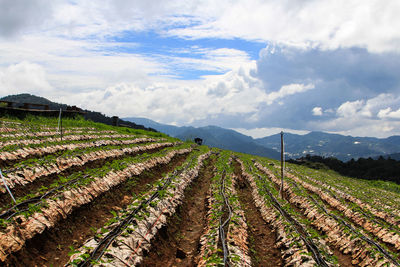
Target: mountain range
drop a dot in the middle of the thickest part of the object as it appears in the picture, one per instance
(314, 143)
(212, 136)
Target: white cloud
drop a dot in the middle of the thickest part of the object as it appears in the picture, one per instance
(262, 132)
(373, 117)
(376, 107)
(66, 51)
(182, 102)
(329, 24)
(24, 77)
(287, 90)
(317, 111)
(350, 108)
(387, 113)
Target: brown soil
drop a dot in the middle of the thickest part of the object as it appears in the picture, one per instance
(52, 246)
(21, 190)
(329, 208)
(343, 259)
(261, 237)
(178, 243)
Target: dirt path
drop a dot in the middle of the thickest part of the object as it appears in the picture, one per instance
(52, 246)
(262, 239)
(177, 243)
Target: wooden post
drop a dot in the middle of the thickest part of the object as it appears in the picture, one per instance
(282, 165)
(60, 124)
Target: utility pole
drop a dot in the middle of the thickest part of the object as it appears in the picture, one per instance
(282, 164)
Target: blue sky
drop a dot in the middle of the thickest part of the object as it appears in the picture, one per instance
(255, 66)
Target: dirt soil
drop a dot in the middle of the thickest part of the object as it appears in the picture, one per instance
(20, 190)
(178, 243)
(343, 259)
(261, 237)
(52, 246)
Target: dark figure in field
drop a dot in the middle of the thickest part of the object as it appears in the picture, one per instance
(198, 141)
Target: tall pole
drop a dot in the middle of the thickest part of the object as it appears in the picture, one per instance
(282, 165)
(60, 124)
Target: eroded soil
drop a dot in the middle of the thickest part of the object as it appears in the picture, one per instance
(52, 246)
(177, 243)
(262, 238)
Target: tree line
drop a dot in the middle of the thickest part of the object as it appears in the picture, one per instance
(366, 168)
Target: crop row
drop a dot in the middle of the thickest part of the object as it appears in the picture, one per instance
(378, 229)
(291, 237)
(48, 135)
(225, 238)
(379, 197)
(52, 210)
(23, 153)
(125, 237)
(28, 174)
(10, 145)
(376, 210)
(339, 234)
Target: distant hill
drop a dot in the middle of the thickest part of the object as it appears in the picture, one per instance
(315, 143)
(212, 136)
(90, 115)
(333, 145)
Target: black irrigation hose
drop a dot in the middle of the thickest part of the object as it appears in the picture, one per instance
(363, 237)
(222, 225)
(17, 209)
(311, 247)
(349, 226)
(98, 252)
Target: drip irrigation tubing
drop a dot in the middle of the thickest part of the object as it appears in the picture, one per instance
(363, 237)
(18, 208)
(311, 247)
(99, 250)
(222, 225)
(349, 226)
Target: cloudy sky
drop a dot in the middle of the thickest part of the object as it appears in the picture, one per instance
(255, 66)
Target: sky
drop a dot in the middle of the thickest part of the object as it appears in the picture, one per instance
(255, 66)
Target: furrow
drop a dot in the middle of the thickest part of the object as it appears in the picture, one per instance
(337, 234)
(54, 244)
(71, 137)
(384, 234)
(294, 250)
(24, 229)
(381, 214)
(262, 239)
(8, 158)
(20, 178)
(134, 234)
(177, 243)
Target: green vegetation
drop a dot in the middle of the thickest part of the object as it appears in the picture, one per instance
(319, 190)
(371, 169)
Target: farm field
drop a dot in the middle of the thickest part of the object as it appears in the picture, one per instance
(112, 196)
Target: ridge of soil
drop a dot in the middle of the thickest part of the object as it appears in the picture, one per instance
(21, 190)
(343, 259)
(52, 246)
(178, 242)
(261, 238)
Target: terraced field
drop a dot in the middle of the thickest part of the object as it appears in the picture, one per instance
(112, 196)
